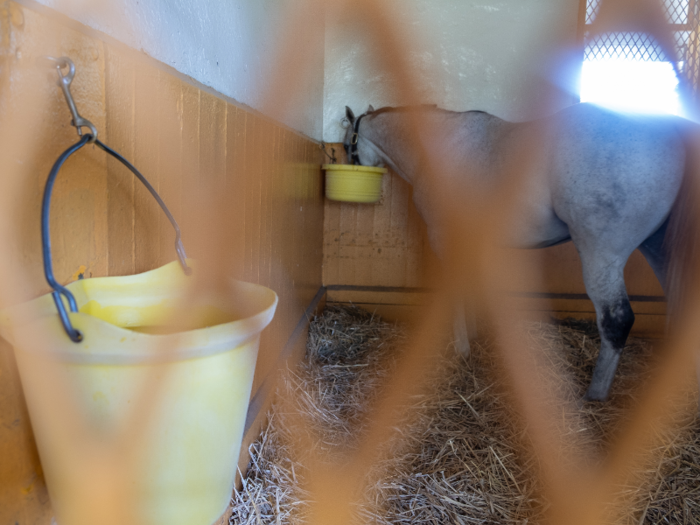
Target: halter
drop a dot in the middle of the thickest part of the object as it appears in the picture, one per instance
(352, 149)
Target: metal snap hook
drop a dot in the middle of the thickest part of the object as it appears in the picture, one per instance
(64, 82)
(59, 290)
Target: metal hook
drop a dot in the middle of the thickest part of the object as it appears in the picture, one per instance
(64, 82)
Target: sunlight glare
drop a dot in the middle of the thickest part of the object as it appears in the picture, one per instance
(631, 86)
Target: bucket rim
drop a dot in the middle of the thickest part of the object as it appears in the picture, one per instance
(22, 325)
(354, 167)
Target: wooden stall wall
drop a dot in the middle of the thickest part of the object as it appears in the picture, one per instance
(190, 143)
(377, 256)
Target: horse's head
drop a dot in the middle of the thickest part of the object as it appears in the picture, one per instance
(359, 148)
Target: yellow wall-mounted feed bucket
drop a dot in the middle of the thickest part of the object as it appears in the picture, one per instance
(350, 183)
(164, 409)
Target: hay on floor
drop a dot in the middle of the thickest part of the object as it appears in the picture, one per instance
(459, 458)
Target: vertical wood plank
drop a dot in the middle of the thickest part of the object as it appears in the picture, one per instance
(281, 200)
(279, 215)
(169, 162)
(146, 139)
(212, 142)
(331, 242)
(259, 271)
(236, 185)
(366, 247)
(250, 182)
(416, 243)
(382, 234)
(297, 174)
(190, 168)
(120, 87)
(399, 230)
(254, 174)
(211, 208)
(313, 217)
(266, 152)
(347, 249)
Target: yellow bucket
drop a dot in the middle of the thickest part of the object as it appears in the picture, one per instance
(179, 463)
(350, 183)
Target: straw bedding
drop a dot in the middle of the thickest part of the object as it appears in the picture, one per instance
(459, 458)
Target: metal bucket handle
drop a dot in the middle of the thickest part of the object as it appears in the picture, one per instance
(59, 290)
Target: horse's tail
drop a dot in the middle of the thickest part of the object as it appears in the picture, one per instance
(682, 239)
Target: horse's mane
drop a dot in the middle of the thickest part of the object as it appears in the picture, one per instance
(420, 107)
(392, 109)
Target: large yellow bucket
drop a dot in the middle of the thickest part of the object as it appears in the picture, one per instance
(138, 407)
(164, 412)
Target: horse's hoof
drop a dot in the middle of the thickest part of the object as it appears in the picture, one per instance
(592, 396)
(462, 347)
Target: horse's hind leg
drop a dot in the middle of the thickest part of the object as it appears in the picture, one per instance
(460, 333)
(605, 285)
(615, 320)
(463, 326)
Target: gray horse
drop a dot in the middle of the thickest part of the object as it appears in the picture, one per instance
(606, 181)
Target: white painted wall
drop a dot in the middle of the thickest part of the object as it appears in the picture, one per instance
(228, 45)
(492, 55)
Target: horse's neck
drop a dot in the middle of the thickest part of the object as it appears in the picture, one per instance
(458, 139)
(390, 133)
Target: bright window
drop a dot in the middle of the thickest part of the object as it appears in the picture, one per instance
(629, 71)
(630, 85)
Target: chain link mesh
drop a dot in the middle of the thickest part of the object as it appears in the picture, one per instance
(680, 14)
(677, 11)
(683, 17)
